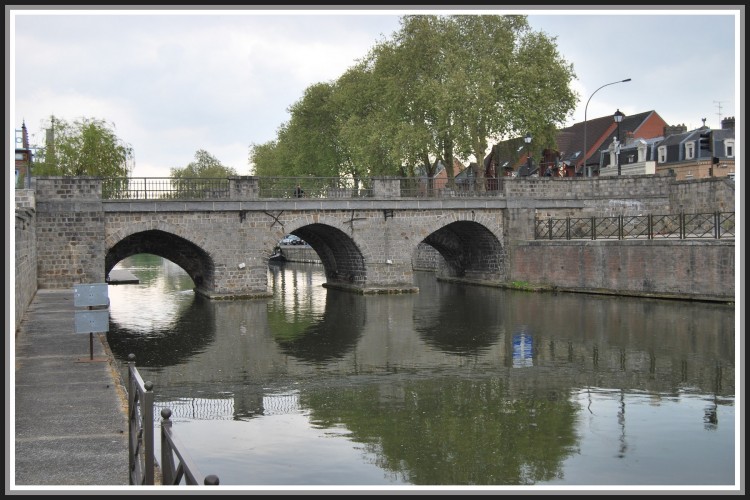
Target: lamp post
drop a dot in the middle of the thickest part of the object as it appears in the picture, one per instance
(585, 112)
(527, 140)
(618, 118)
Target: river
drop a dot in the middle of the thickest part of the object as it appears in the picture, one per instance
(457, 385)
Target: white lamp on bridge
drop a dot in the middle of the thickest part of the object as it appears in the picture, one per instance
(527, 140)
(618, 119)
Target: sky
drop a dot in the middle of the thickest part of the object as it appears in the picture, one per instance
(172, 82)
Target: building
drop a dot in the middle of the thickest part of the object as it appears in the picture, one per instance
(648, 146)
(23, 158)
(698, 154)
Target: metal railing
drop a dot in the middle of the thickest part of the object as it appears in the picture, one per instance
(140, 427)
(167, 189)
(141, 454)
(716, 225)
(170, 449)
(164, 188)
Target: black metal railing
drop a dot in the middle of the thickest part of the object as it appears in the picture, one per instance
(140, 427)
(142, 463)
(185, 469)
(716, 225)
(313, 187)
(167, 189)
(164, 188)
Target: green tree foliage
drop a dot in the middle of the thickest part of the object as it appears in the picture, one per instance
(85, 147)
(442, 88)
(205, 176)
(309, 144)
(204, 166)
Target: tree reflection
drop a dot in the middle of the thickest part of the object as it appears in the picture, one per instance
(468, 331)
(450, 431)
(314, 339)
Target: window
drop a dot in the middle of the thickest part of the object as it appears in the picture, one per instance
(729, 147)
(662, 154)
(689, 150)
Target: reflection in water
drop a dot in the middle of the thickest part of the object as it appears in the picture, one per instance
(454, 385)
(458, 320)
(321, 339)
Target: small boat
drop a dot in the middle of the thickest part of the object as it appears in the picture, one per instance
(278, 256)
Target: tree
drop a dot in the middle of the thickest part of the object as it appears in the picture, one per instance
(86, 147)
(204, 166)
(441, 88)
(199, 177)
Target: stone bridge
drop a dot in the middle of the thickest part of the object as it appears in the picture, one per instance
(366, 245)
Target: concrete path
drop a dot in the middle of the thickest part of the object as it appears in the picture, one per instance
(70, 425)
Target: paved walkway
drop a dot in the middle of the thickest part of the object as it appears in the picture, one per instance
(70, 411)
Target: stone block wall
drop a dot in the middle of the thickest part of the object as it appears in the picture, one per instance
(685, 269)
(70, 222)
(25, 253)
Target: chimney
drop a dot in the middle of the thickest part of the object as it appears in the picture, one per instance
(674, 130)
(727, 123)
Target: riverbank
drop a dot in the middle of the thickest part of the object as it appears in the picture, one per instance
(70, 424)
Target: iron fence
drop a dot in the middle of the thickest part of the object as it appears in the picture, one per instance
(716, 225)
(141, 456)
(166, 188)
(186, 470)
(140, 427)
(313, 187)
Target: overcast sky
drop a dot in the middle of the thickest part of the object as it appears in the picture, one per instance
(176, 81)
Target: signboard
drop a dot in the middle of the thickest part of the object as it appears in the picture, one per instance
(95, 297)
(91, 295)
(92, 321)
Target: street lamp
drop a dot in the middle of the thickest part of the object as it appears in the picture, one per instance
(527, 140)
(585, 112)
(618, 119)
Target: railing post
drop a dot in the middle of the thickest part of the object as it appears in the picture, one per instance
(650, 227)
(682, 225)
(567, 227)
(147, 414)
(621, 227)
(550, 228)
(140, 427)
(167, 458)
(132, 449)
(717, 225)
(593, 228)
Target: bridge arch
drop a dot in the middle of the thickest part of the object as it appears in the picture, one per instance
(343, 259)
(469, 251)
(196, 262)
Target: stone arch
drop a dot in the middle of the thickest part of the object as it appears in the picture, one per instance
(342, 257)
(190, 256)
(468, 246)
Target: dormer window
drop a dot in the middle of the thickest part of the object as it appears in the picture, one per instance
(689, 150)
(729, 147)
(662, 154)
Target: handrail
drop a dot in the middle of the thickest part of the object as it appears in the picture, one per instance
(140, 427)
(141, 456)
(169, 189)
(715, 225)
(172, 447)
